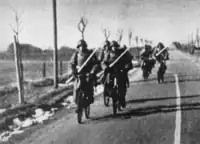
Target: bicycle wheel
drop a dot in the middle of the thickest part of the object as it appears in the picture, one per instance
(106, 100)
(114, 106)
(80, 108)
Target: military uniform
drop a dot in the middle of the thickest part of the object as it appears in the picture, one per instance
(145, 57)
(90, 69)
(163, 55)
(119, 70)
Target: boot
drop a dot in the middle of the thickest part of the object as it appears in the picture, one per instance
(123, 102)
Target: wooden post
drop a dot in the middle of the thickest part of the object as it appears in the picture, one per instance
(43, 69)
(55, 45)
(17, 64)
(61, 68)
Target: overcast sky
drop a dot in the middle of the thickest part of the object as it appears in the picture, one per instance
(157, 20)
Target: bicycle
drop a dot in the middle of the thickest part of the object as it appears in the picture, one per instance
(83, 101)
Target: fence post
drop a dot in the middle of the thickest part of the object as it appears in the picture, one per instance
(18, 75)
(43, 69)
(61, 68)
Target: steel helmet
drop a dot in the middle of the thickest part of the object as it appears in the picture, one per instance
(106, 43)
(115, 44)
(83, 43)
(160, 45)
(147, 47)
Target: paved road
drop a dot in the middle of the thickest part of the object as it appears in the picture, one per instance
(152, 116)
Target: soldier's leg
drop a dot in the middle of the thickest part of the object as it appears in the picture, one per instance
(89, 91)
(122, 90)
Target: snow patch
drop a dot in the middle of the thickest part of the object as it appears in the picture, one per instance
(7, 134)
(70, 102)
(2, 110)
(98, 90)
(43, 117)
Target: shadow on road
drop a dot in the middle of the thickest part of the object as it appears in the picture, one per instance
(148, 110)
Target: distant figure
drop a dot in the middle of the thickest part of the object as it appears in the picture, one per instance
(145, 57)
(163, 55)
(161, 58)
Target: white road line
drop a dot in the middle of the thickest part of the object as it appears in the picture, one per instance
(177, 134)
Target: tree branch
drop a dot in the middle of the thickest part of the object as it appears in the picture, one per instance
(83, 22)
(18, 22)
(120, 32)
(106, 33)
(13, 29)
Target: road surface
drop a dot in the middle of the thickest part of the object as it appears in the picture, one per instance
(166, 113)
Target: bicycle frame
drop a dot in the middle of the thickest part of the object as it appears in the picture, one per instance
(81, 91)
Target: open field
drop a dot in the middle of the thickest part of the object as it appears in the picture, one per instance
(32, 70)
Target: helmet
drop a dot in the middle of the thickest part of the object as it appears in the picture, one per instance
(147, 47)
(160, 45)
(114, 44)
(83, 43)
(106, 43)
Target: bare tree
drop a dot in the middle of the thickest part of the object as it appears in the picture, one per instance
(120, 34)
(82, 25)
(141, 40)
(146, 41)
(136, 40)
(106, 33)
(130, 37)
(17, 28)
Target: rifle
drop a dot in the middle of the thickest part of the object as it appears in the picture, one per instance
(113, 63)
(161, 51)
(79, 70)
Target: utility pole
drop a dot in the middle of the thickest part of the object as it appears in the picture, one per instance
(55, 45)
